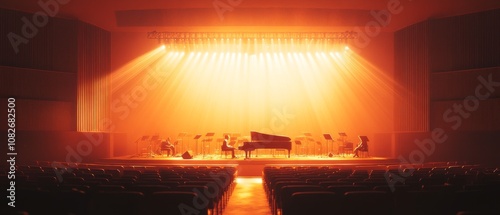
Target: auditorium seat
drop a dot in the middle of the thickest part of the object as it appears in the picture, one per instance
(285, 193)
(205, 194)
(423, 202)
(315, 202)
(368, 202)
(117, 202)
(477, 200)
(342, 189)
(326, 183)
(148, 189)
(107, 187)
(72, 201)
(176, 203)
(274, 191)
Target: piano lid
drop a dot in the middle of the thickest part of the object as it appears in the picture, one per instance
(261, 137)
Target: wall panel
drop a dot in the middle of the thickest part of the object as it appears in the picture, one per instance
(412, 74)
(52, 46)
(37, 84)
(465, 42)
(456, 85)
(94, 60)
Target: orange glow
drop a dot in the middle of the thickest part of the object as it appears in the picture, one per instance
(236, 90)
(249, 180)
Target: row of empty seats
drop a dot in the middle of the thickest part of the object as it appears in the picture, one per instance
(122, 189)
(373, 190)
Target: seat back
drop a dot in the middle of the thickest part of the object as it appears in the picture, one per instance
(315, 202)
(116, 202)
(288, 191)
(368, 202)
(176, 203)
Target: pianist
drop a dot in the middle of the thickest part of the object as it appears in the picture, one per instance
(226, 147)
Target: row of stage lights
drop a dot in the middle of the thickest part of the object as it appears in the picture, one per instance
(268, 36)
(253, 42)
(337, 53)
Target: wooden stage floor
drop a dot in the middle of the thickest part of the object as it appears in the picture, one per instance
(253, 166)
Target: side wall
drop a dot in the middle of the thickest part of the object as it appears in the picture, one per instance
(41, 66)
(450, 70)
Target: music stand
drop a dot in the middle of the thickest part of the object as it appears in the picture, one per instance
(209, 139)
(180, 138)
(151, 141)
(328, 139)
(308, 145)
(365, 138)
(298, 144)
(138, 143)
(343, 137)
(196, 137)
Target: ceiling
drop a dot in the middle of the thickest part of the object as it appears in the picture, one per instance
(252, 15)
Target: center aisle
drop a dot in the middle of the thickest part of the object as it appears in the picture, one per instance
(248, 198)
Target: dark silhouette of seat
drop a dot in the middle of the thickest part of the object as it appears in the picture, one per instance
(315, 202)
(286, 193)
(116, 202)
(368, 202)
(342, 189)
(176, 203)
(148, 189)
(423, 202)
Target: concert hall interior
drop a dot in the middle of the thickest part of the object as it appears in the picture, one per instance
(139, 107)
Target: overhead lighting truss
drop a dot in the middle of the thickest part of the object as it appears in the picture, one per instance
(259, 37)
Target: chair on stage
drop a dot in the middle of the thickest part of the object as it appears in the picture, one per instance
(299, 147)
(225, 151)
(363, 153)
(348, 148)
(170, 149)
(362, 149)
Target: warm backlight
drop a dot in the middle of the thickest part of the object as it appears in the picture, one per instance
(275, 90)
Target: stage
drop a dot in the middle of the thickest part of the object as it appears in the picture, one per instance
(252, 166)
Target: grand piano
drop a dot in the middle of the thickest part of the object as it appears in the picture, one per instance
(265, 141)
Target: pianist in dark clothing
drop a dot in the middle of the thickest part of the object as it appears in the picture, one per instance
(226, 147)
(362, 146)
